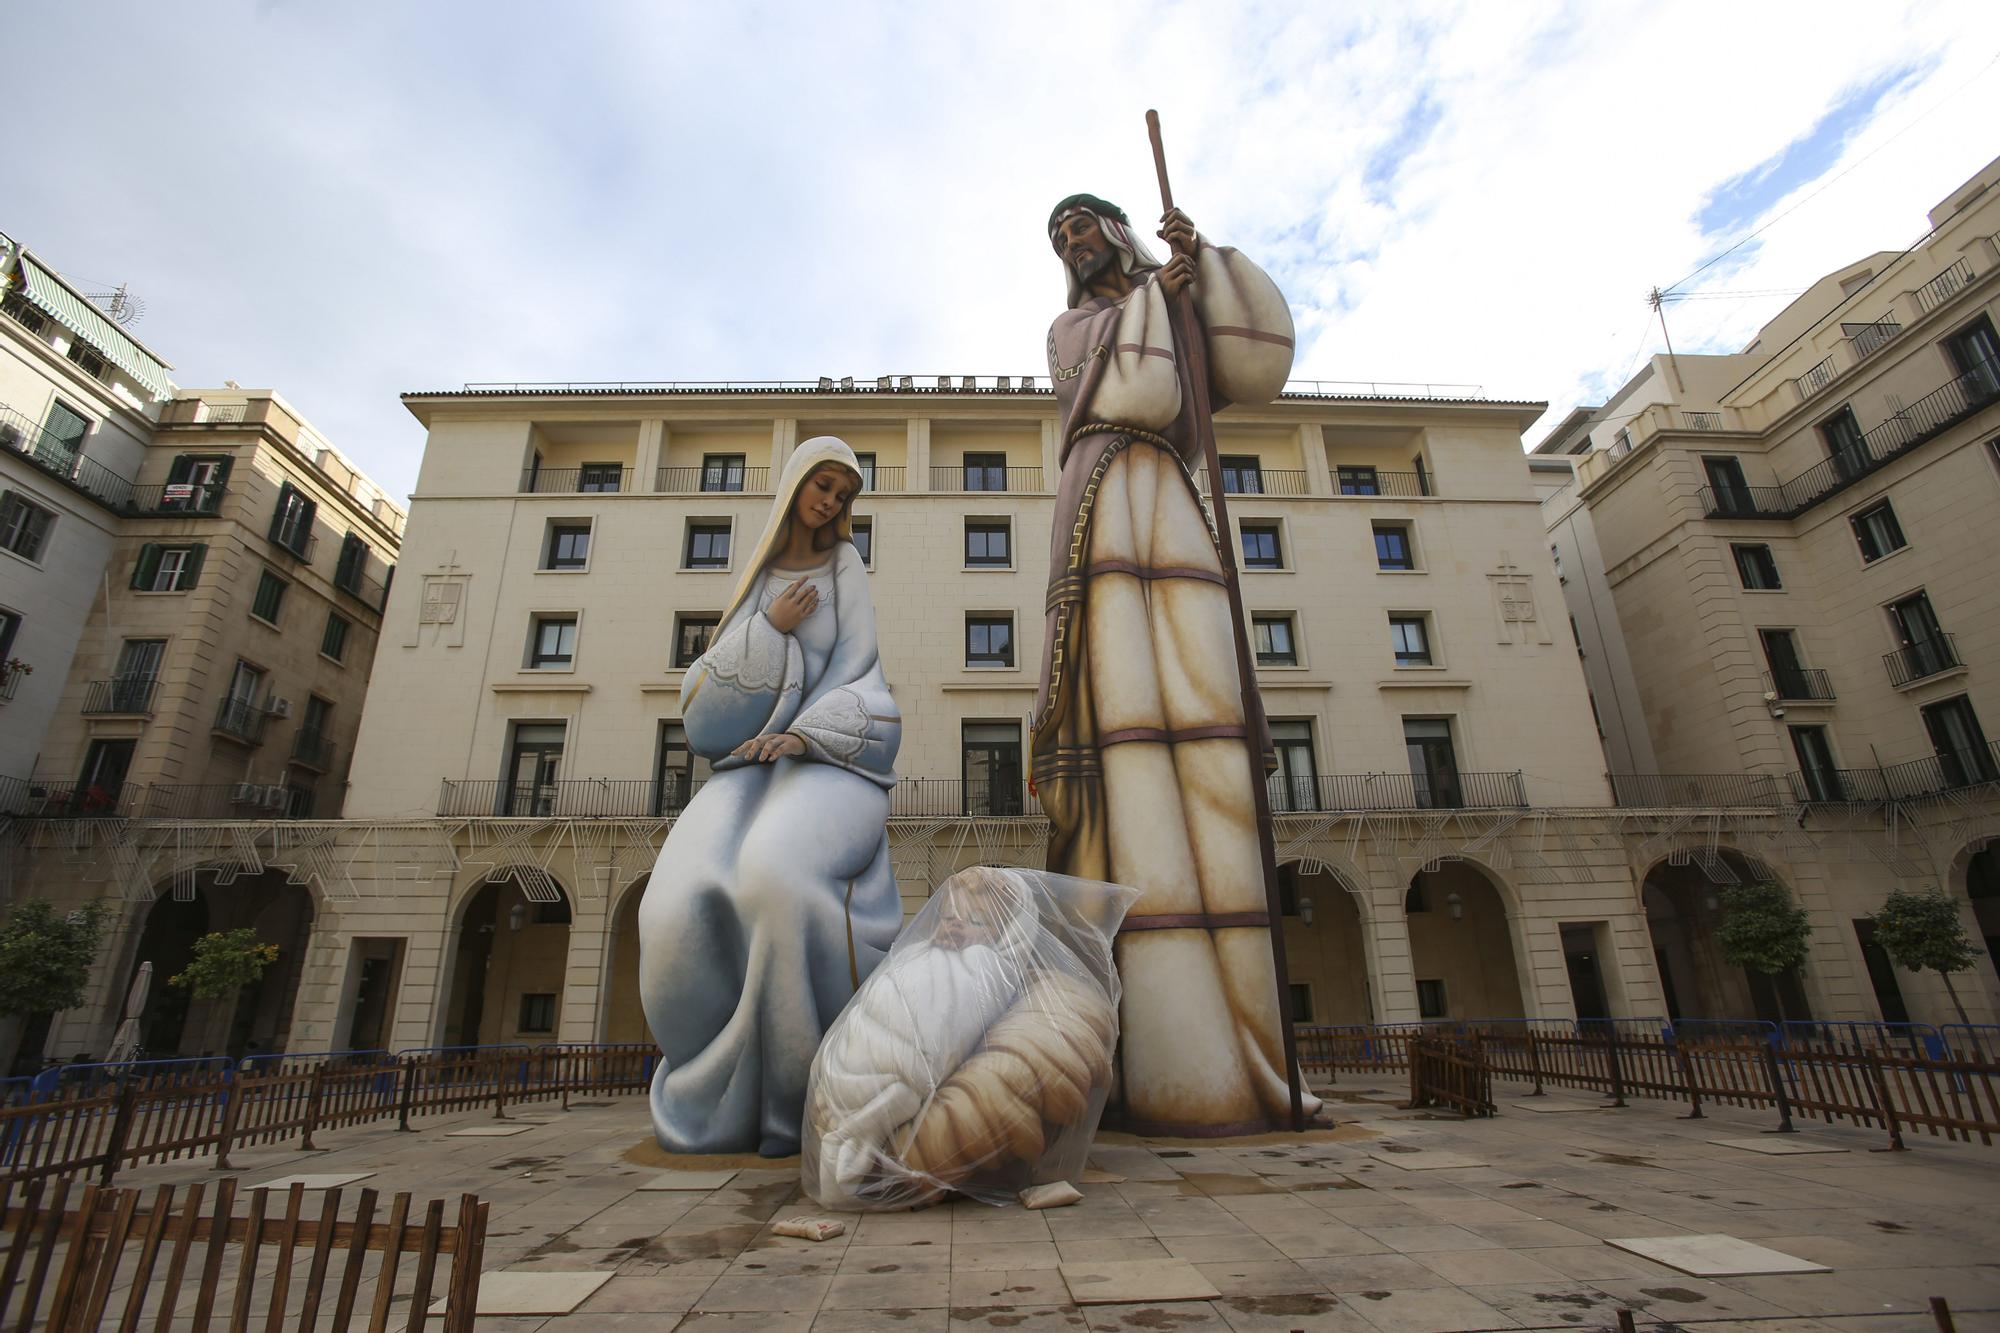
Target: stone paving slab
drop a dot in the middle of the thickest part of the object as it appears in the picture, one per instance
(490, 1131)
(1716, 1255)
(334, 1180)
(1152, 1281)
(1779, 1146)
(703, 1181)
(532, 1293)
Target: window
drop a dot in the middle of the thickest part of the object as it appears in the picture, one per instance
(552, 645)
(67, 426)
(707, 546)
(333, 642)
(679, 772)
(1242, 474)
(864, 541)
(1925, 649)
(989, 543)
(1788, 674)
(1410, 640)
(314, 723)
(989, 640)
(722, 472)
(87, 357)
(692, 635)
(538, 1012)
(866, 462)
(1392, 547)
(1962, 751)
(1275, 644)
(990, 764)
(1976, 353)
(10, 625)
(195, 483)
(568, 546)
(1877, 532)
(534, 759)
(1430, 999)
(1844, 443)
(100, 788)
(1357, 480)
(168, 568)
(986, 472)
(299, 798)
(137, 672)
(1261, 548)
(292, 521)
(1817, 771)
(24, 526)
(352, 565)
(606, 477)
(1433, 762)
(1755, 568)
(1302, 1002)
(1295, 785)
(270, 596)
(1727, 485)
(17, 305)
(240, 715)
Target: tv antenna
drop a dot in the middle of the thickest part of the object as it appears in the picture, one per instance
(123, 307)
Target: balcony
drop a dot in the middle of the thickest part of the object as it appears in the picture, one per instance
(57, 458)
(712, 480)
(601, 478)
(1927, 417)
(241, 721)
(1259, 481)
(1914, 780)
(1868, 339)
(969, 479)
(1664, 790)
(312, 749)
(131, 695)
(177, 500)
(1700, 421)
(222, 800)
(1369, 481)
(983, 798)
(1800, 685)
(570, 798)
(1943, 287)
(1815, 379)
(10, 680)
(1397, 791)
(53, 800)
(1922, 660)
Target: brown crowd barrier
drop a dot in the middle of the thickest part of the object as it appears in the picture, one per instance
(1444, 1072)
(116, 1254)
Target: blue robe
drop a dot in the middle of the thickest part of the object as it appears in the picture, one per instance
(773, 896)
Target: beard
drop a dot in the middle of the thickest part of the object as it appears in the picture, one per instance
(1097, 261)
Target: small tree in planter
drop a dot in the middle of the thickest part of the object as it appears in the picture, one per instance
(1923, 930)
(224, 962)
(45, 961)
(1763, 930)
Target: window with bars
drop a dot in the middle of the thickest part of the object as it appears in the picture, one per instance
(602, 477)
(1242, 474)
(1357, 480)
(985, 472)
(722, 472)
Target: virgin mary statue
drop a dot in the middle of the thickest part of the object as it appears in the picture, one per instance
(773, 896)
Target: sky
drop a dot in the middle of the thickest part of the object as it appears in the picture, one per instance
(350, 202)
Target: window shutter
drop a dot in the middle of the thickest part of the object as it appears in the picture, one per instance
(222, 471)
(309, 510)
(191, 572)
(148, 566)
(278, 514)
(183, 468)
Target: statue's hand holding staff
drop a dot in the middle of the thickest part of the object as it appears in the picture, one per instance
(1177, 230)
(792, 606)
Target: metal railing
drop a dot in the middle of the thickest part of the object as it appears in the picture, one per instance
(1800, 684)
(1868, 339)
(1815, 379)
(712, 480)
(314, 749)
(1394, 485)
(1257, 481)
(1703, 421)
(1912, 780)
(981, 798)
(1658, 790)
(57, 458)
(1922, 659)
(121, 694)
(573, 480)
(969, 479)
(217, 800)
(578, 798)
(1397, 791)
(10, 682)
(177, 498)
(1744, 502)
(934, 383)
(79, 800)
(241, 720)
(1944, 286)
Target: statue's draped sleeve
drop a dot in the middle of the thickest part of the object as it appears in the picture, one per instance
(748, 682)
(849, 720)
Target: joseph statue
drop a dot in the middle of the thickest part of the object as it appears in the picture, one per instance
(1141, 754)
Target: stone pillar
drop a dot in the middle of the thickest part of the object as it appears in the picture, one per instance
(652, 453)
(784, 439)
(1392, 976)
(420, 1008)
(917, 473)
(1312, 449)
(1540, 965)
(580, 1019)
(1052, 454)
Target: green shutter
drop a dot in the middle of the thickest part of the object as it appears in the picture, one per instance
(278, 515)
(191, 572)
(148, 566)
(182, 469)
(222, 473)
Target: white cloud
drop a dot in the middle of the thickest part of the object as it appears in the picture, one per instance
(348, 202)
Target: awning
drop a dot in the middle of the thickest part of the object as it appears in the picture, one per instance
(80, 317)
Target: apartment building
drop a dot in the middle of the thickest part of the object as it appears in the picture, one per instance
(1785, 592)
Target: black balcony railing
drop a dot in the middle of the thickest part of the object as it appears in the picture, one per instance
(568, 798)
(1921, 660)
(712, 480)
(121, 694)
(1258, 481)
(1930, 415)
(1800, 684)
(240, 720)
(1396, 791)
(1396, 485)
(10, 682)
(1944, 286)
(572, 480)
(221, 800)
(59, 458)
(1913, 780)
(177, 498)
(946, 797)
(16, 796)
(973, 479)
(81, 800)
(313, 749)
(1656, 790)
(1868, 339)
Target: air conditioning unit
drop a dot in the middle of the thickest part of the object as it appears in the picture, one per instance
(246, 793)
(279, 707)
(275, 798)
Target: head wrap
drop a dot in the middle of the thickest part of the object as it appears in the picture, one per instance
(804, 461)
(1117, 228)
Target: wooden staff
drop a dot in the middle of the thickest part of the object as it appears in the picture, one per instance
(1193, 364)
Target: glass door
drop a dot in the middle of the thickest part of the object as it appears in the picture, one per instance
(138, 672)
(533, 768)
(1433, 764)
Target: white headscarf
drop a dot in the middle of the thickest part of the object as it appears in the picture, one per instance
(1132, 251)
(809, 455)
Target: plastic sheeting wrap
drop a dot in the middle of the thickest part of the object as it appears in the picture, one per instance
(977, 1056)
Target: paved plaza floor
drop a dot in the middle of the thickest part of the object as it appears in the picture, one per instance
(1395, 1223)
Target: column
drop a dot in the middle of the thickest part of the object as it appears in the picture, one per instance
(1392, 977)
(784, 439)
(583, 967)
(917, 472)
(652, 453)
(1051, 454)
(1312, 449)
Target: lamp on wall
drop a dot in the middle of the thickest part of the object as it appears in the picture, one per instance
(1306, 910)
(1455, 905)
(517, 916)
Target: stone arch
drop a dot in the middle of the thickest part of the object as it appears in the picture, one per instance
(1975, 874)
(1328, 947)
(620, 1017)
(1682, 907)
(1463, 919)
(509, 951)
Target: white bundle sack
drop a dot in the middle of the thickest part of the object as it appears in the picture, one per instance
(977, 1056)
